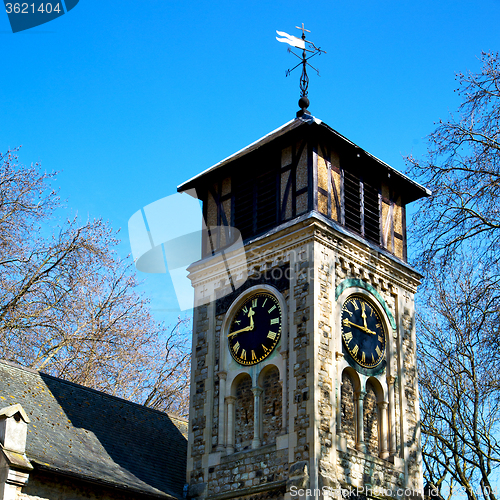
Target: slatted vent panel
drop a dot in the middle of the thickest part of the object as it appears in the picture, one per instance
(267, 192)
(256, 204)
(352, 197)
(371, 213)
(243, 213)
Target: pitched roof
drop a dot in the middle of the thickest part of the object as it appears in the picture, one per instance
(413, 190)
(85, 433)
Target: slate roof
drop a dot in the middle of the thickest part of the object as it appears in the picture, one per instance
(81, 432)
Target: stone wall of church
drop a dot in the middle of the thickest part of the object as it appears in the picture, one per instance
(247, 469)
(200, 371)
(272, 410)
(302, 366)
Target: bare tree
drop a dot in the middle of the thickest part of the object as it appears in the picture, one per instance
(460, 381)
(462, 169)
(69, 305)
(458, 230)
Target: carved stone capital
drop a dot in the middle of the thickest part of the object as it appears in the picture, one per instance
(222, 375)
(230, 400)
(257, 391)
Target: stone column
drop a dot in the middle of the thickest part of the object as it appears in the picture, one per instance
(360, 438)
(257, 391)
(384, 438)
(392, 417)
(338, 407)
(221, 438)
(230, 400)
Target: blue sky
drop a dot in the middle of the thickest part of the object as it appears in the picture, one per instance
(129, 99)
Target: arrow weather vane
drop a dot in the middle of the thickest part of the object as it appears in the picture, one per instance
(307, 53)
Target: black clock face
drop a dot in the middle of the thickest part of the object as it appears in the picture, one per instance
(363, 332)
(256, 329)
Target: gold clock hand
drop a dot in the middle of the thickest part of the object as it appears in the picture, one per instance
(246, 329)
(251, 312)
(363, 313)
(364, 329)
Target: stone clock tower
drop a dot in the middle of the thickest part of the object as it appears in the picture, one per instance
(303, 366)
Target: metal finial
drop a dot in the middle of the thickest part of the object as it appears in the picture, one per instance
(300, 43)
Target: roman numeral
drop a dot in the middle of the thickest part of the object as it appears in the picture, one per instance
(355, 304)
(355, 350)
(245, 309)
(253, 355)
(274, 321)
(264, 302)
(345, 322)
(373, 359)
(243, 354)
(254, 302)
(236, 347)
(378, 325)
(348, 337)
(380, 339)
(266, 350)
(363, 358)
(272, 309)
(271, 335)
(379, 352)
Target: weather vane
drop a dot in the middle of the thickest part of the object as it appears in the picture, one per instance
(307, 52)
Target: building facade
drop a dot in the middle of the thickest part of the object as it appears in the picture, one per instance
(303, 366)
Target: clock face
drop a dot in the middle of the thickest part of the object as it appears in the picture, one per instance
(255, 329)
(363, 331)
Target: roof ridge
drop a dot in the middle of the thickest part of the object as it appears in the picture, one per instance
(59, 379)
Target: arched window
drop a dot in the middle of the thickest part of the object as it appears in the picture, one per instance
(348, 426)
(271, 405)
(370, 420)
(244, 405)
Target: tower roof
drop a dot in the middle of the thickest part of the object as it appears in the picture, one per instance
(410, 190)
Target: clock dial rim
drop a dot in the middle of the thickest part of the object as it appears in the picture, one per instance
(382, 330)
(271, 346)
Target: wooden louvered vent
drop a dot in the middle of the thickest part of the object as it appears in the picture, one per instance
(361, 207)
(256, 204)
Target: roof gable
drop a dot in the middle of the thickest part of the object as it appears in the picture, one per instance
(82, 432)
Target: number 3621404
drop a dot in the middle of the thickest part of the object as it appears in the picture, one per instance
(25, 8)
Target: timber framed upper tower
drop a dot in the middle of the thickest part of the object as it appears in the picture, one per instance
(303, 364)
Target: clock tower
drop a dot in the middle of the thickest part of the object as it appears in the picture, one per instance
(304, 376)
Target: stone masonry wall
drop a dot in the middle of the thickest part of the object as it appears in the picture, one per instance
(325, 354)
(251, 468)
(370, 421)
(271, 406)
(347, 411)
(199, 364)
(301, 368)
(244, 408)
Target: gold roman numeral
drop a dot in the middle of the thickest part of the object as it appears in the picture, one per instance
(254, 302)
(348, 337)
(274, 321)
(265, 300)
(266, 350)
(236, 347)
(373, 359)
(363, 357)
(380, 339)
(378, 325)
(355, 304)
(253, 355)
(245, 309)
(271, 335)
(345, 322)
(243, 354)
(355, 349)
(272, 309)
(379, 352)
